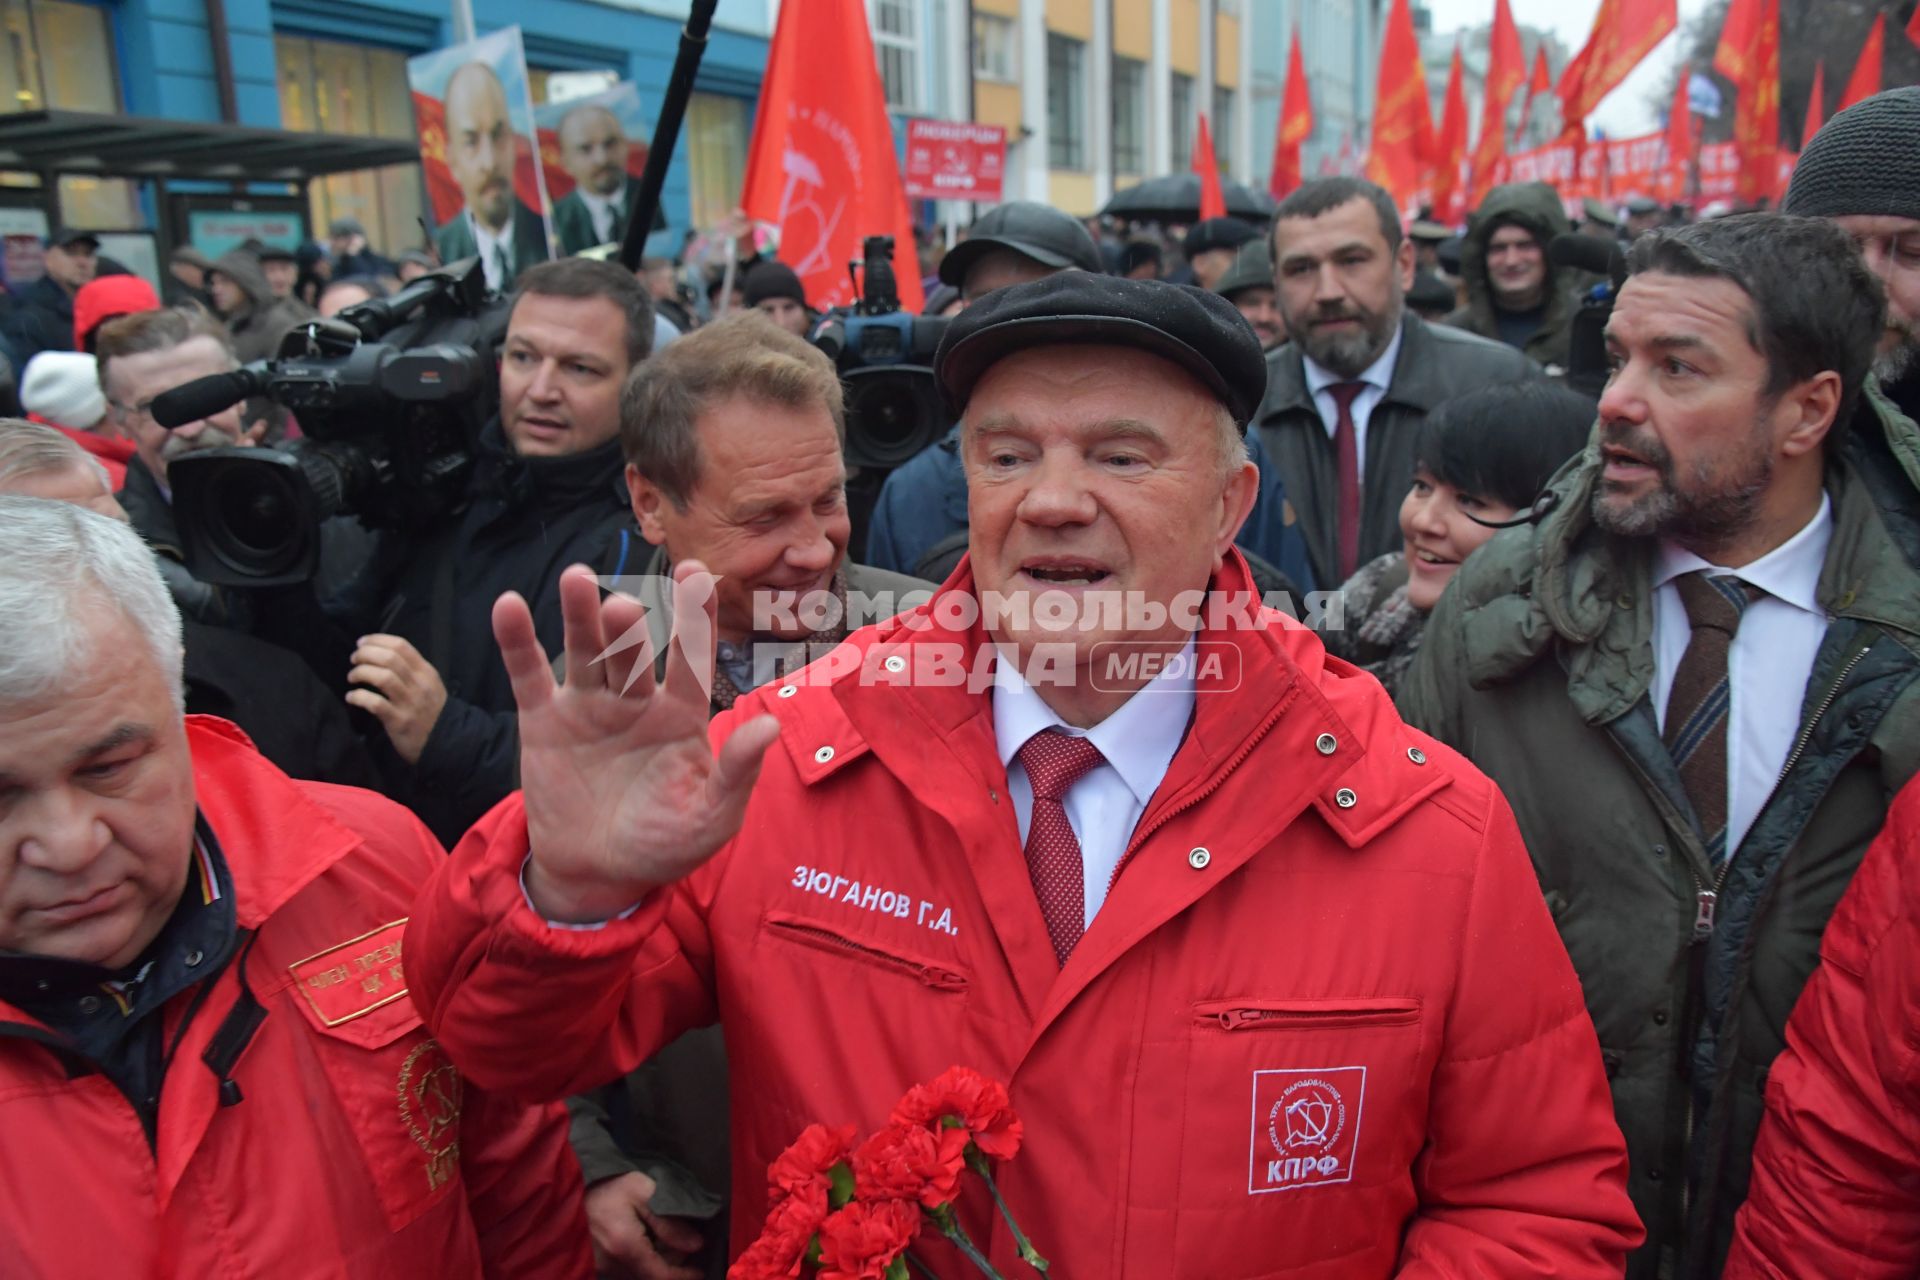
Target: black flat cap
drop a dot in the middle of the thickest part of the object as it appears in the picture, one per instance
(1217, 233)
(1252, 269)
(276, 253)
(1199, 331)
(1042, 232)
(61, 237)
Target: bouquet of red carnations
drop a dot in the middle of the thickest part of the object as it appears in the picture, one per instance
(846, 1212)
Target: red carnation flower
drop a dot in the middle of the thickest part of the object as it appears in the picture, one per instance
(859, 1241)
(980, 1106)
(911, 1162)
(784, 1241)
(808, 1162)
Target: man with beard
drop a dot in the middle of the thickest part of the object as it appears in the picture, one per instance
(492, 223)
(1859, 171)
(1347, 393)
(140, 356)
(593, 151)
(1696, 674)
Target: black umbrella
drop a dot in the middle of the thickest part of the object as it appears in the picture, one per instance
(1176, 198)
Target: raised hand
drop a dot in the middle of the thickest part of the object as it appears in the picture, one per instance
(623, 793)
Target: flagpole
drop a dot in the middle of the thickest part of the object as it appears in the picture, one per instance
(673, 109)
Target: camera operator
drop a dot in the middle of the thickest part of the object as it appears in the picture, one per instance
(141, 356)
(546, 493)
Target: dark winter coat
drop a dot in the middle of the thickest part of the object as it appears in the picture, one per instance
(1537, 664)
(1434, 364)
(1535, 208)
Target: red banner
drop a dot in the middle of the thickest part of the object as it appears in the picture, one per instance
(947, 161)
(1622, 167)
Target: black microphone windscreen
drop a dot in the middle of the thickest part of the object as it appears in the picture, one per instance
(202, 398)
(1600, 256)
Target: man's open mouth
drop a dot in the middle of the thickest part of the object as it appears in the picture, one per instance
(1066, 573)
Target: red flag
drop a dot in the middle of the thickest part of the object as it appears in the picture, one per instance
(1213, 201)
(1865, 81)
(1402, 144)
(1506, 63)
(822, 166)
(1542, 77)
(1450, 149)
(1679, 140)
(1749, 56)
(1296, 126)
(1816, 103)
(1624, 32)
(1913, 27)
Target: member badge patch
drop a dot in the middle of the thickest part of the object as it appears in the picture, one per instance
(1305, 1127)
(356, 977)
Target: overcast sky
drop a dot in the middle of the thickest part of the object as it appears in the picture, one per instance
(1624, 112)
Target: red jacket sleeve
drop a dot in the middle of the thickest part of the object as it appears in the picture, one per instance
(545, 1012)
(524, 1190)
(1525, 1170)
(1836, 1171)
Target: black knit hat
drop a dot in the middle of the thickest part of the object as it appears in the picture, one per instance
(1199, 331)
(1863, 161)
(770, 279)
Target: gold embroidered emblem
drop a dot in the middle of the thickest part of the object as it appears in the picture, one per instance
(429, 1092)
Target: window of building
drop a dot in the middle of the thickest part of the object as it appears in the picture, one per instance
(896, 42)
(716, 143)
(1223, 125)
(996, 48)
(330, 87)
(1129, 115)
(1066, 102)
(1180, 111)
(60, 55)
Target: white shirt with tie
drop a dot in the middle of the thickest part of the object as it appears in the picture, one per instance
(1104, 805)
(1376, 377)
(1768, 663)
(605, 212)
(492, 247)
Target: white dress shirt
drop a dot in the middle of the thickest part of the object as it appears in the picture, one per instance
(1376, 376)
(605, 213)
(1104, 805)
(1768, 664)
(488, 242)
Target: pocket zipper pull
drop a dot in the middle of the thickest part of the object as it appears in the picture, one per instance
(1704, 904)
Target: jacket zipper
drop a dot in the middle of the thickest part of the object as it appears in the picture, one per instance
(1707, 901)
(1242, 1019)
(928, 975)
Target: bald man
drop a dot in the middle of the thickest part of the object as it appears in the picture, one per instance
(593, 151)
(507, 236)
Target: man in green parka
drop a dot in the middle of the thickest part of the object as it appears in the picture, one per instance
(1696, 676)
(1515, 294)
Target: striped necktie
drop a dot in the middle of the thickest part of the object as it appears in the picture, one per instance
(1702, 697)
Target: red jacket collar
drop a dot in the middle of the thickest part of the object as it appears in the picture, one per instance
(275, 838)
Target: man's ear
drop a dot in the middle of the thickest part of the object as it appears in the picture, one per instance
(1810, 409)
(647, 502)
(1403, 262)
(1242, 489)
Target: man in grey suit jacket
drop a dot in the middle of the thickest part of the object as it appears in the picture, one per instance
(507, 236)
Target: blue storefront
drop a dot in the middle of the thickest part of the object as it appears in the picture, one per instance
(339, 67)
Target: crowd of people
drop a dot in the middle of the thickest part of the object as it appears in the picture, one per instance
(505, 896)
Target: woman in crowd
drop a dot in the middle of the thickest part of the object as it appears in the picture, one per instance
(1480, 459)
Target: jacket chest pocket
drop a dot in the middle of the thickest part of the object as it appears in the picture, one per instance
(871, 955)
(399, 1094)
(1301, 1121)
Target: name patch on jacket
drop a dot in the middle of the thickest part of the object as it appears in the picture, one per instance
(1306, 1127)
(356, 977)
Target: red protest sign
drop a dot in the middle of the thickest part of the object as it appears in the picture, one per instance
(948, 161)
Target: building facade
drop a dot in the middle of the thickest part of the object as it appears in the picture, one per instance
(339, 67)
(1339, 44)
(1096, 95)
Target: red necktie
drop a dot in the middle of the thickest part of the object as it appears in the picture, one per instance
(1054, 761)
(1346, 457)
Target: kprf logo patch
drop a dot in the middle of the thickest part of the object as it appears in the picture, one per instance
(1305, 1127)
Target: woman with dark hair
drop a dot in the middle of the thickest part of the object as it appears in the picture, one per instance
(1480, 459)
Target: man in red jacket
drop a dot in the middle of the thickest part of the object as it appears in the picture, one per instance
(208, 1062)
(1267, 972)
(1836, 1172)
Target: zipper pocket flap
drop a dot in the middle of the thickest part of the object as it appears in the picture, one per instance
(1256, 1014)
(935, 974)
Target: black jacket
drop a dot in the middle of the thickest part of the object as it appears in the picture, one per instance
(295, 721)
(525, 520)
(42, 320)
(1434, 363)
